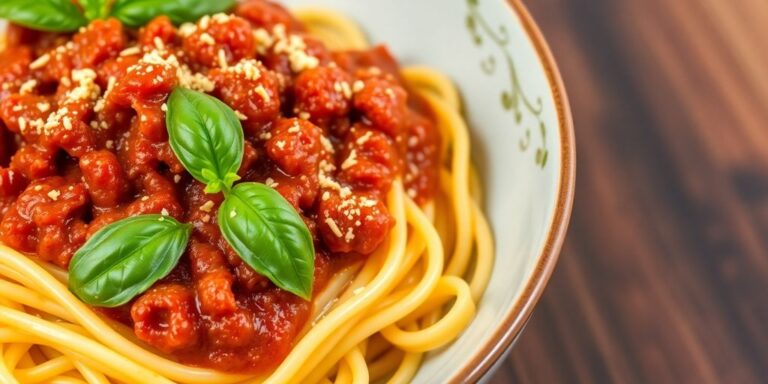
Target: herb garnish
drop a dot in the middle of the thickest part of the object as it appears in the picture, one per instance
(269, 236)
(135, 13)
(125, 258)
(205, 134)
(46, 15)
(65, 16)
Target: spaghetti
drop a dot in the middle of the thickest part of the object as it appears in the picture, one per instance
(417, 292)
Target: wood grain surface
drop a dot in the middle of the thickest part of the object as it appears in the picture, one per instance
(664, 274)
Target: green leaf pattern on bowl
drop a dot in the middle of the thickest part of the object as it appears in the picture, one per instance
(513, 98)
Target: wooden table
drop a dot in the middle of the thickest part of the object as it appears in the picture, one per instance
(664, 275)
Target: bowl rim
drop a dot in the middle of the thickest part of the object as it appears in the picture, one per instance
(480, 363)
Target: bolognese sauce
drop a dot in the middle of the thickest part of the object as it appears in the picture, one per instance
(83, 144)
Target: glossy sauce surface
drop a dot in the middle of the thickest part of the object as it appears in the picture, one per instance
(83, 143)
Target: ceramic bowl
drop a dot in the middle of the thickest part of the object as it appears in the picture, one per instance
(523, 146)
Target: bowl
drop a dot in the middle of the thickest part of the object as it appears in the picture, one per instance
(523, 146)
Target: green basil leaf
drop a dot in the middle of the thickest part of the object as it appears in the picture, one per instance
(46, 15)
(206, 136)
(136, 13)
(95, 9)
(270, 236)
(125, 258)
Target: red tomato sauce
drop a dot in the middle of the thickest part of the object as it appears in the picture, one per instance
(83, 143)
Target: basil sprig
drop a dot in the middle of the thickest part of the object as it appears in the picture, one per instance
(125, 258)
(136, 13)
(95, 9)
(260, 225)
(206, 136)
(64, 15)
(269, 235)
(46, 15)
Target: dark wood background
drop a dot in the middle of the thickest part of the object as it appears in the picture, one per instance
(664, 274)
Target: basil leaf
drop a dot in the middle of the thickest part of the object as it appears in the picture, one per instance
(136, 13)
(46, 15)
(206, 136)
(125, 258)
(95, 9)
(270, 236)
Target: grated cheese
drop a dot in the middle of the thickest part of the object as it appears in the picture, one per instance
(358, 86)
(327, 144)
(207, 39)
(158, 43)
(28, 86)
(262, 92)
(130, 51)
(248, 68)
(221, 18)
(207, 206)
(86, 88)
(222, 56)
(364, 138)
(185, 76)
(40, 62)
(101, 103)
(350, 235)
(343, 88)
(328, 183)
(187, 29)
(263, 40)
(271, 182)
(292, 46)
(350, 161)
(54, 194)
(334, 228)
(204, 22)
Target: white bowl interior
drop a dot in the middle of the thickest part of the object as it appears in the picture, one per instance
(521, 195)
